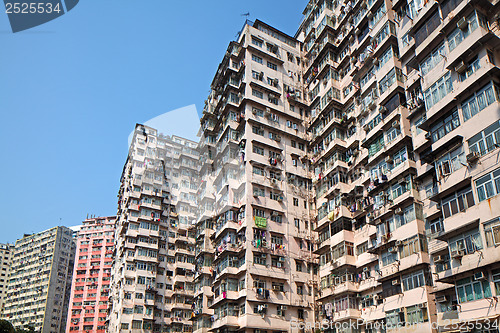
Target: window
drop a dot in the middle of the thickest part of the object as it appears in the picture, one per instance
(395, 318)
(457, 202)
(257, 75)
(458, 35)
(259, 258)
(298, 265)
(257, 59)
(479, 100)
(427, 28)
(435, 226)
(496, 280)
(387, 258)
(486, 140)
(257, 93)
(413, 280)
(488, 185)
(413, 245)
(256, 42)
(438, 90)
(436, 56)
(362, 248)
(492, 232)
(259, 171)
(473, 66)
(258, 112)
(416, 314)
(272, 66)
(450, 162)
(258, 150)
(445, 126)
(296, 202)
(390, 78)
(468, 243)
(469, 289)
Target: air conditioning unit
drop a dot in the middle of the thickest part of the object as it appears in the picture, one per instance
(284, 307)
(395, 123)
(472, 157)
(254, 111)
(399, 242)
(282, 259)
(276, 288)
(365, 269)
(376, 61)
(383, 109)
(295, 126)
(461, 67)
(428, 135)
(438, 259)
(277, 138)
(442, 299)
(462, 24)
(393, 250)
(357, 31)
(398, 211)
(375, 297)
(395, 282)
(422, 305)
(388, 159)
(479, 276)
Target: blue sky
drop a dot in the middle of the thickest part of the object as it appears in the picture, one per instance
(71, 91)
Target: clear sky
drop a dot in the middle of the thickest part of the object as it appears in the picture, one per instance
(72, 89)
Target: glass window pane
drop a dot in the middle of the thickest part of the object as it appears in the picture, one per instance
(489, 189)
(478, 291)
(454, 206)
(480, 193)
(469, 293)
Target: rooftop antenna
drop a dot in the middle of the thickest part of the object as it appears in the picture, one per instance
(247, 14)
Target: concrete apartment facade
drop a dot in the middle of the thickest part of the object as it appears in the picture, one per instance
(152, 280)
(40, 281)
(6, 252)
(255, 266)
(397, 104)
(92, 275)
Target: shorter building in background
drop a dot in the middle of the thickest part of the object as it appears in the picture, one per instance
(5, 262)
(40, 280)
(92, 275)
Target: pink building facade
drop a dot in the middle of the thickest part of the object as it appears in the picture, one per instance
(92, 275)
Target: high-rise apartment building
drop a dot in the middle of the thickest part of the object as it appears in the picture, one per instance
(450, 54)
(88, 306)
(40, 281)
(254, 267)
(6, 251)
(391, 110)
(152, 281)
